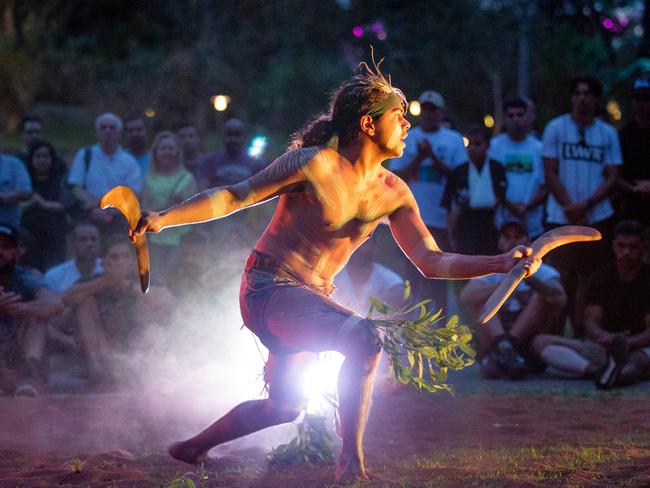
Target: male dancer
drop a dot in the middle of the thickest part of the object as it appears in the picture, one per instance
(333, 193)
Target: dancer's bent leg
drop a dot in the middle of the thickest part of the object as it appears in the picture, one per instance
(285, 402)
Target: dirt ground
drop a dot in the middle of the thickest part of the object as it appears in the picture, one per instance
(471, 439)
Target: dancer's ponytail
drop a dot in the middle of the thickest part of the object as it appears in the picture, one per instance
(317, 132)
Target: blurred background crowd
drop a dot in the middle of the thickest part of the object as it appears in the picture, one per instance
(105, 95)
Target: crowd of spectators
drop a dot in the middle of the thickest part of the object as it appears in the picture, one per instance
(68, 284)
(68, 280)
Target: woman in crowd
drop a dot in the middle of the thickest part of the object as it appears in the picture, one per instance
(167, 184)
(43, 214)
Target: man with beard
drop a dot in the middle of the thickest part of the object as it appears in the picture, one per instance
(26, 305)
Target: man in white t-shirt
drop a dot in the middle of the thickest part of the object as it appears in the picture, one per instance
(535, 307)
(363, 277)
(521, 155)
(582, 156)
(68, 331)
(85, 264)
(108, 165)
(431, 152)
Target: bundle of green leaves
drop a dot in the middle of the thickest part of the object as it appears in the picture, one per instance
(420, 348)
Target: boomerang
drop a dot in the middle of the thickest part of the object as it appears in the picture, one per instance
(541, 246)
(123, 199)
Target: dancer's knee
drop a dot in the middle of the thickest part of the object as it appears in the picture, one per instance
(359, 337)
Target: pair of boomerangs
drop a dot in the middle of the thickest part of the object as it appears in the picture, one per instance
(123, 199)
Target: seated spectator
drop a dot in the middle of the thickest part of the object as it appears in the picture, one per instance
(473, 191)
(98, 168)
(15, 187)
(617, 320)
(43, 214)
(535, 307)
(363, 277)
(167, 184)
(25, 307)
(63, 331)
(111, 312)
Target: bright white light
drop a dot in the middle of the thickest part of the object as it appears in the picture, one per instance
(414, 108)
(465, 141)
(220, 102)
(321, 380)
(258, 146)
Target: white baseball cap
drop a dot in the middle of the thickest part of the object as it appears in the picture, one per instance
(432, 97)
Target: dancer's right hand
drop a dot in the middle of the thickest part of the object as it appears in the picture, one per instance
(149, 222)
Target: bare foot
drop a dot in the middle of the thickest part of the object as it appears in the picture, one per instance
(182, 452)
(350, 470)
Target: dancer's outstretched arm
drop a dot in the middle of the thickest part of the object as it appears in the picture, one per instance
(277, 178)
(421, 248)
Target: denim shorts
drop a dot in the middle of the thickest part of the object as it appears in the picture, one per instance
(308, 308)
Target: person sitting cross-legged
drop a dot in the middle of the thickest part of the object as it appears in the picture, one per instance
(534, 307)
(617, 320)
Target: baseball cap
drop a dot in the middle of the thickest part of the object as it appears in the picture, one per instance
(10, 232)
(516, 222)
(433, 97)
(641, 87)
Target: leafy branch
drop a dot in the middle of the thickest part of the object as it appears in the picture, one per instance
(312, 445)
(422, 350)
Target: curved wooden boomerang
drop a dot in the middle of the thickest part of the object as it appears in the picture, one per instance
(123, 199)
(541, 246)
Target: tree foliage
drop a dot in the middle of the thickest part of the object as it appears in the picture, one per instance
(279, 60)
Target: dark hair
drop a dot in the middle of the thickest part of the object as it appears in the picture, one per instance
(515, 103)
(479, 130)
(83, 223)
(29, 159)
(629, 227)
(114, 240)
(349, 102)
(133, 118)
(187, 123)
(595, 87)
(29, 118)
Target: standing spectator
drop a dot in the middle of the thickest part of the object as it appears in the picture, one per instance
(167, 184)
(31, 128)
(535, 307)
(25, 307)
(190, 140)
(136, 140)
(635, 143)
(431, 152)
(617, 319)
(231, 166)
(33, 131)
(521, 155)
(581, 159)
(98, 168)
(15, 187)
(43, 214)
(474, 189)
